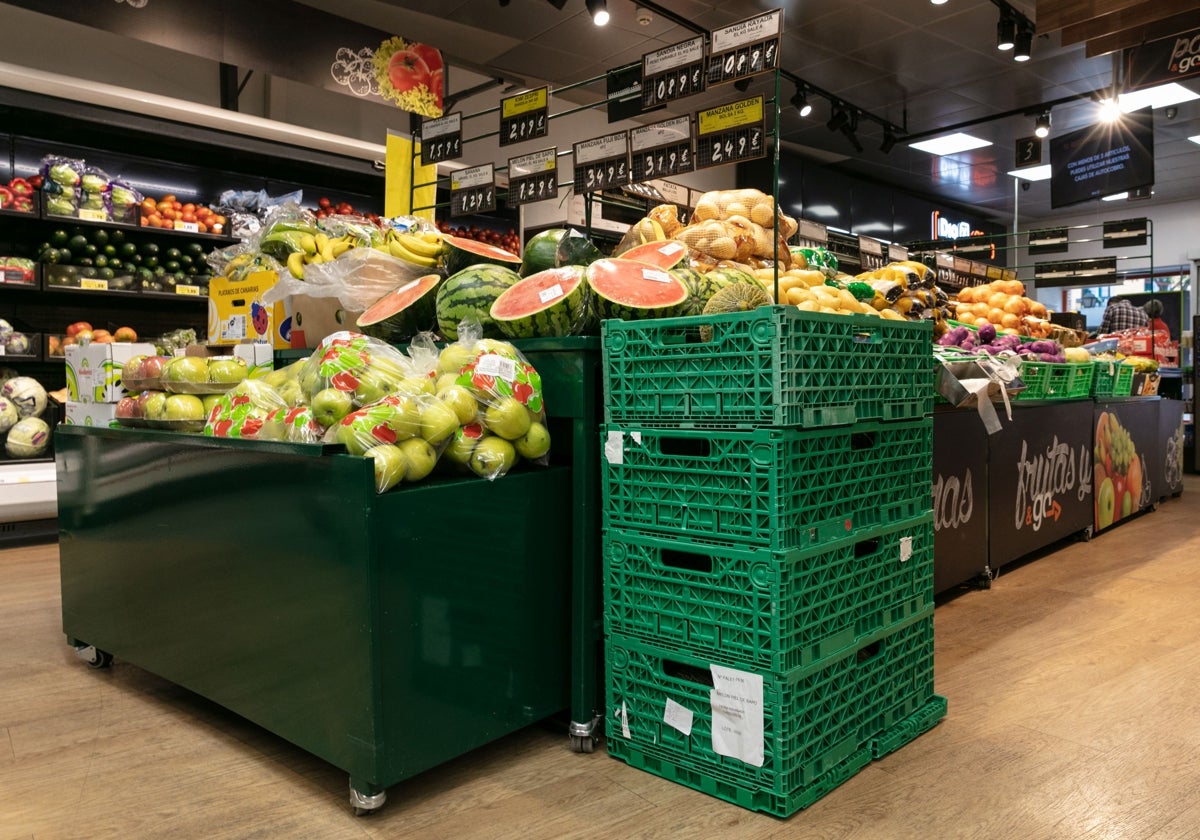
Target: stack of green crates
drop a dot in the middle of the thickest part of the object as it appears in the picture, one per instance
(767, 515)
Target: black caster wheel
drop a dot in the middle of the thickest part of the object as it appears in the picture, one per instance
(583, 743)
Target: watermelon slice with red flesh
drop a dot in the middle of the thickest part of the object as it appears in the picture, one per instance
(632, 290)
(664, 254)
(551, 303)
(460, 253)
(403, 312)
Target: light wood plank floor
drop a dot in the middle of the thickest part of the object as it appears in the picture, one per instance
(1074, 685)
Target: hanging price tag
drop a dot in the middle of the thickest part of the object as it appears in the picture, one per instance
(473, 190)
(673, 72)
(662, 149)
(745, 48)
(441, 139)
(731, 133)
(524, 116)
(533, 177)
(602, 163)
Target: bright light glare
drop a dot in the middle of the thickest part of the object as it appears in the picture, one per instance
(1117, 197)
(951, 144)
(1195, 138)
(1156, 97)
(1109, 110)
(1033, 173)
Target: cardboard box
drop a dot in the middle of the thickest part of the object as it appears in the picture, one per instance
(259, 358)
(91, 414)
(1146, 384)
(237, 314)
(94, 370)
(313, 318)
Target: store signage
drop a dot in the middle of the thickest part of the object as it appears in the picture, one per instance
(870, 253)
(662, 149)
(1162, 61)
(1028, 152)
(602, 163)
(1075, 272)
(441, 139)
(745, 48)
(533, 177)
(473, 190)
(673, 72)
(943, 228)
(1047, 474)
(731, 133)
(524, 116)
(953, 500)
(1126, 233)
(1048, 241)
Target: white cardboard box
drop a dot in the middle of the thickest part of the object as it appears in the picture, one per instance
(91, 414)
(94, 370)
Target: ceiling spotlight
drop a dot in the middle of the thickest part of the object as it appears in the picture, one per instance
(1110, 110)
(938, 2)
(1042, 126)
(889, 141)
(838, 118)
(1006, 31)
(849, 128)
(1024, 44)
(801, 104)
(599, 11)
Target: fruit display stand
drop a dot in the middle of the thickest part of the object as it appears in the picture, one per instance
(384, 633)
(960, 514)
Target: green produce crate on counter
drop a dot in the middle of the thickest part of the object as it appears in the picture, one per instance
(765, 609)
(780, 489)
(384, 633)
(1055, 381)
(1112, 379)
(773, 366)
(819, 727)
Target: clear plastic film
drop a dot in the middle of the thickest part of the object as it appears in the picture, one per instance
(576, 249)
(61, 177)
(349, 370)
(243, 412)
(357, 277)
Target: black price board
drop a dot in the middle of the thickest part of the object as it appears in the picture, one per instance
(673, 72)
(533, 177)
(1074, 272)
(745, 48)
(1129, 458)
(1039, 478)
(602, 163)
(731, 133)
(441, 139)
(870, 253)
(473, 190)
(525, 116)
(959, 497)
(662, 149)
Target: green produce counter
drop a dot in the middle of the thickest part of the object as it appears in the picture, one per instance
(385, 633)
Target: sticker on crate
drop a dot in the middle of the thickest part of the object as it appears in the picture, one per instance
(737, 714)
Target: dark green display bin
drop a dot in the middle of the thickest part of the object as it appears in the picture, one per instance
(385, 633)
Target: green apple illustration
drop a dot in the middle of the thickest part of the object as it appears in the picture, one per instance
(1106, 501)
(1126, 503)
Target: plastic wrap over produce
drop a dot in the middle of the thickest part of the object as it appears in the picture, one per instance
(358, 277)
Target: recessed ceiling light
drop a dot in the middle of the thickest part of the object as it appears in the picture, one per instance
(951, 144)
(1117, 197)
(1156, 97)
(1033, 173)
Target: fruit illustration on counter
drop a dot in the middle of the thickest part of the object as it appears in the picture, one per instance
(1118, 473)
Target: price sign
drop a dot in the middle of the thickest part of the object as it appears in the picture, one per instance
(813, 234)
(188, 291)
(533, 177)
(870, 253)
(673, 72)
(897, 253)
(602, 163)
(473, 190)
(189, 227)
(441, 139)
(662, 149)
(94, 284)
(93, 215)
(731, 133)
(524, 116)
(674, 193)
(745, 48)
(946, 275)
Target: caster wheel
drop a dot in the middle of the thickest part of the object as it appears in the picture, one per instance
(364, 804)
(93, 656)
(583, 743)
(1086, 534)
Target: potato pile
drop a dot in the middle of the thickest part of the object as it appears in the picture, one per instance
(738, 225)
(1003, 304)
(807, 290)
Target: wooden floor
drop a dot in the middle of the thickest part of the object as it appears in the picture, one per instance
(1074, 689)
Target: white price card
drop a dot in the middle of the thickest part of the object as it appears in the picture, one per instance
(656, 275)
(553, 293)
(671, 249)
(737, 714)
(678, 717)
(624, 720)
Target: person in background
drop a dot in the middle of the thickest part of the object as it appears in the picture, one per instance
(1154, 311)
(1120, 314)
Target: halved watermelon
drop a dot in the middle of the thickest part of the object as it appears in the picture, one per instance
(632, 290)
(460, 252)
(403, 312)
(551, 303)
(664, 254)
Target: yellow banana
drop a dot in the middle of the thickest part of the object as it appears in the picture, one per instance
(308, 243)
(295, 264)
(316, 259)
(419, 246)
(397, 250)
(323, 247)
(339, 248)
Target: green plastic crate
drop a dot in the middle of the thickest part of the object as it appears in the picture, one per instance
(819, 725)
(773, 366)
(1055, 381)
(775, 611)
(772, 488)
(1112, 378)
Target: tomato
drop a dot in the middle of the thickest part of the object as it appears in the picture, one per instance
(154, 220)
(323, 202)
(432, 56)
(169, 198)
(148, 206)
(167, 213)
(187, 215)
(189, 208)
(407, 70)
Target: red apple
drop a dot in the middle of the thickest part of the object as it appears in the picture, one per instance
(77, 327)
(152, 366)
(124, 334)
(127, 407)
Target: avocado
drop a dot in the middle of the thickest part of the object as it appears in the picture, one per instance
(150, 249)
(128, 250)
(150, 262)
(100, 237)
(100, 261)
(90, 250)
(78, 243)
(59, 238)
(173, 253)
(110, 251)
(106, 273)
(116, 237)
(171, 266)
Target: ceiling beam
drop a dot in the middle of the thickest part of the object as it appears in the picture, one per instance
(1053, 15)
(1145, 12)
(1144, 34)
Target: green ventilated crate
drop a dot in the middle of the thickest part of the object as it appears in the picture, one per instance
(772, 488)
(1055, 380)
(775, 611)
(773, 366)
(1112, 378)
(820, 725)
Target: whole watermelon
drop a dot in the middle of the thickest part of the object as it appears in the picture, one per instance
(470, 294)
(540, 251)
(700, 288)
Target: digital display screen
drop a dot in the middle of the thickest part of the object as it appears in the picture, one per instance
(1103, 159)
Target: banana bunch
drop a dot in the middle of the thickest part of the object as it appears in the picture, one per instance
(243, 265)
(317, 248)
(421, 249)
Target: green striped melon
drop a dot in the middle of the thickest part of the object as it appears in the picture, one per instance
(700, 288)
(632, 290)
(540, 251)
(470, 293)
(459, 253)
(576, 249)
(402, 312)
(731, 275)
(548, 304)
(664, 254)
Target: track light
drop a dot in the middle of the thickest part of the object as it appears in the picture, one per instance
(849, 129)
(599, 11)
(801, 104)
(1024, 44)
(1042, 126)
(1006, 31)
(838, 118)
(889, 141)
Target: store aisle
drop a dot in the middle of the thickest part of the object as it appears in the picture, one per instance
(1072, 686)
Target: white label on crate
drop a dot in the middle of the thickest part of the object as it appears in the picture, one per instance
(656, 275)
(553, 293)
(614, 448)
(678, 717)
(494, 365)
(737, 714)
(637, 436)
(671, 249)
(624, 720)
(905, 549)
